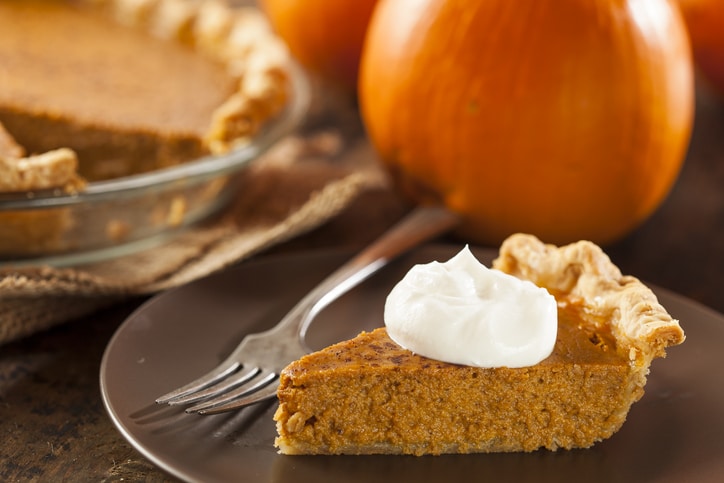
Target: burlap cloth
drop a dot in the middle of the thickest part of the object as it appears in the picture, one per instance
(301, 183)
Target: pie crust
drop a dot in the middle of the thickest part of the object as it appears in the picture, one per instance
(369, 395)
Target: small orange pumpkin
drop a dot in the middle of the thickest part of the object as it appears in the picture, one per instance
(705, 20)
(568, 119)
(325, 36)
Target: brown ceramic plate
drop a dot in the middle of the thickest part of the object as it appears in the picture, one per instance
(675, 433)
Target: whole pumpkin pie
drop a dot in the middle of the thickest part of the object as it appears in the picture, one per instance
(130, 86)
(99, 89)
(369, 395)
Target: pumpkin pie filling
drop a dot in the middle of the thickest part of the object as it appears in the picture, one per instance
(369, 395)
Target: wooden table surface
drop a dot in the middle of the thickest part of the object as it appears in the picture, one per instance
(53, 426)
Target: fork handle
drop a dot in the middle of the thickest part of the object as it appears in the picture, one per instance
(422, 224)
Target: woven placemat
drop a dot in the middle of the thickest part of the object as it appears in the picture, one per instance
(301, 183)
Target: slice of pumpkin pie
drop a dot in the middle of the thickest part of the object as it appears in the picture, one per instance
(370, 395)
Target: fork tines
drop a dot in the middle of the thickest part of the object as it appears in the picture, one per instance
(224, 389)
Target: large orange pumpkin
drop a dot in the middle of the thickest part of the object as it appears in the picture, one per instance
(568, 119)
(325, 36)
(705, 20)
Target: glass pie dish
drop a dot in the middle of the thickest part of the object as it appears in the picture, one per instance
(111, 218)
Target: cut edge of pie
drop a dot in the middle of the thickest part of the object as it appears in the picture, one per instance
(52, 169)
(370, 396)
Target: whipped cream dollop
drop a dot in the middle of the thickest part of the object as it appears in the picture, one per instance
(462, 312)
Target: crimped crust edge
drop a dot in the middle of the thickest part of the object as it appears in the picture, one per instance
(581, 271)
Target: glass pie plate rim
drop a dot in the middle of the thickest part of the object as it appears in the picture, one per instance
(173, 179)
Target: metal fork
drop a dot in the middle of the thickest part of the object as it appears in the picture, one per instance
(250, 374)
